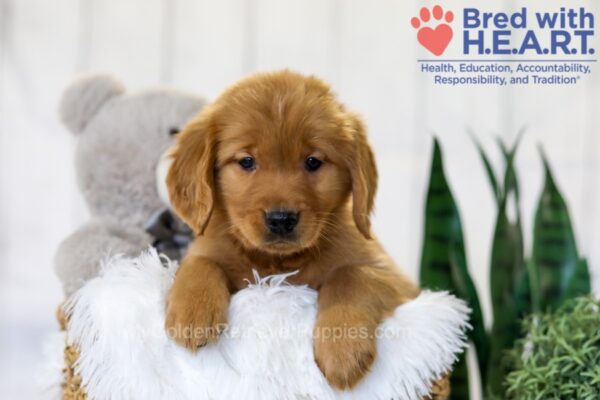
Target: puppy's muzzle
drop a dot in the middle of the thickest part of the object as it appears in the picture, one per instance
(281, 222)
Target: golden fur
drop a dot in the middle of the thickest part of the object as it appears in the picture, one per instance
(280, 119)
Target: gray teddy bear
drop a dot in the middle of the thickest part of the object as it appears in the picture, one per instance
(121, 138)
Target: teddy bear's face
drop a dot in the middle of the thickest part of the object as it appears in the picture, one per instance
(120, 146)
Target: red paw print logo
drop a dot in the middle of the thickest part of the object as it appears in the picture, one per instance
(434, 39)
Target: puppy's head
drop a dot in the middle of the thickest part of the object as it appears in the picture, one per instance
(281, 157)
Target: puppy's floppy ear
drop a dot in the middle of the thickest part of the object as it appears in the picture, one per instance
(191, 176)
(364, 176)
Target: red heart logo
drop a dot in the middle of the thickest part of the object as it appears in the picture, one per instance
(435, 40)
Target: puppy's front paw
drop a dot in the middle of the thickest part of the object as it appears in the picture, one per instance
(195, 318)
(344, 351)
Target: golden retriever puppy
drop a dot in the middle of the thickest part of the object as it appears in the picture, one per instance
(276, 175)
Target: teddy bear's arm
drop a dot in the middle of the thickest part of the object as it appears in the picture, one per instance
(80, 255)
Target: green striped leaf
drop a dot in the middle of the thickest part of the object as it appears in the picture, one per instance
(443, 261)
(509, 284)
(561, 274)
(459, 380)
(579, 284)
(488, 169)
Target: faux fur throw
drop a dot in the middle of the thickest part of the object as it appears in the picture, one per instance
(117, 321)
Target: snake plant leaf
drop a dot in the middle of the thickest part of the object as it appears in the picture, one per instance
(579, 284)
(511, 184)
(443, 261)
(465, 288)
(554, 252)
(509, 284)
(459, 380)
(507, 266)
(523, 296)
(532, 280)
(488, 169)
(522, 283)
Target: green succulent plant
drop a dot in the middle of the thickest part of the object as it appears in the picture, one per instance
(559, 355)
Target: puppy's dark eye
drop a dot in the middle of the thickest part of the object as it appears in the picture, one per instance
(247, 163)
(173, 131)
(312, 164)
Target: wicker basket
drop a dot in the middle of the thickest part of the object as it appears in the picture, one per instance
(71, 385)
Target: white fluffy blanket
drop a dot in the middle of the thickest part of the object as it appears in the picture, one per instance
(117, 322)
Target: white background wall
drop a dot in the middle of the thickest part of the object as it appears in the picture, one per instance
(366, 49)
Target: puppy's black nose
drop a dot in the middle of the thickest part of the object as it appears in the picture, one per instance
(281, 222)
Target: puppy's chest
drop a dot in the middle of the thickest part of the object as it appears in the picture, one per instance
(305, 273)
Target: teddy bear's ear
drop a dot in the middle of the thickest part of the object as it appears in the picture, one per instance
(84, 98)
